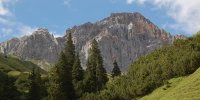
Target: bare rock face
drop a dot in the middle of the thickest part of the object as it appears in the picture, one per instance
(41, 45)
(122, 36)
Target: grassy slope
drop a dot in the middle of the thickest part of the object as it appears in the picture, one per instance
(13, 65)
(182, 88)
(42, 64)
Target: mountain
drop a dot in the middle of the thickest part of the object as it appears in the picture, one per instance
(40, 45)
(121, 36)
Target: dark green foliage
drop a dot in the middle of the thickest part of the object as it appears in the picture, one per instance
(60, 80)
(55, 87)
(102, 95)
(153, 70)
(22, 83)
(77, 76)
(70, 50)
(7, 89)
(61, 86)
(96, 76)
(77, 70)
(35, 85)
(66, 80)
(116, 71)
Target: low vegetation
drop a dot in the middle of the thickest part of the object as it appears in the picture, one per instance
(9, 63)
(154, 70)
(187, 87)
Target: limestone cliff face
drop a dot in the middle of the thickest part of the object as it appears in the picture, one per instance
(41, 45)
(122, 37)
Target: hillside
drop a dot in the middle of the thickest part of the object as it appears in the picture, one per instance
(14, 65)
(153, 70)
(182, 88)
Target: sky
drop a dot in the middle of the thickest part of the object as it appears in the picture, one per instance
(22, 17)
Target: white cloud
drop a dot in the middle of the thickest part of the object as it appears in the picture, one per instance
(3, 10)
(4, 4)
(186, 13)
(26, 30)
(9, 26)
(129, 1)
(57, 35)
(3, 21)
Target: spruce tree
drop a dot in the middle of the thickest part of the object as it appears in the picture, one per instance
(35, 86)
(61, 87)
(96, 76)
(70, 50)
(56, 88)
(77, 70)
(116, 71)
(77, 76)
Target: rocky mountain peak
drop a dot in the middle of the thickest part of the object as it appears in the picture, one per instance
(125, 18)
(124, 15)
(122, 37)
(43, 32)
(40, 45)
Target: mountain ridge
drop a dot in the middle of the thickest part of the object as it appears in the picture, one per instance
(121, 36)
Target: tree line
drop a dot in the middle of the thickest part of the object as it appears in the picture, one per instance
(66, 80)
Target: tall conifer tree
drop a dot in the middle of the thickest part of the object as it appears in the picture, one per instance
(62, 74)
(116, 71)
(77, 70)
(70, 50)
(56, 91)
(77, 76)
(35, 85)
(95, 77)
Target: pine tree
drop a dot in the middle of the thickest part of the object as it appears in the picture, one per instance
(61, 87)
(77, 70)
(60, 80)
(116, 71)
(70, 50)
(35, 86)
(77, 76)
(96, 76)
(55, 84)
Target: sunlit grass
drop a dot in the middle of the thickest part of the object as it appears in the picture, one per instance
(182, 88)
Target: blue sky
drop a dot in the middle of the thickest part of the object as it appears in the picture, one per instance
(21, 17)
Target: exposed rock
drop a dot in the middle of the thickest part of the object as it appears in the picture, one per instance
(179, 36)
(41, 45)
(122, 37)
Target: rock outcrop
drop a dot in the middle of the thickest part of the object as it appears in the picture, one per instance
(122, 37)
(41, 45)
